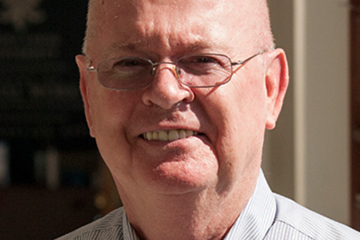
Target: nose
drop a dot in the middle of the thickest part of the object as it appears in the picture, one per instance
(166, 91)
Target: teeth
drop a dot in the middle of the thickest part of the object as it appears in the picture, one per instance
(171, 135)
(182, 134)
(163, 136)
(149, 135)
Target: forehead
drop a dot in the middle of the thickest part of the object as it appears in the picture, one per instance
(165, 25)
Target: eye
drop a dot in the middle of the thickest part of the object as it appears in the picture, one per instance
(204, 59)
(125, 63)
(123, 68)
(197, 65)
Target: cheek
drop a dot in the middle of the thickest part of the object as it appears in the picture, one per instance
(110, 115)
(110, 110)
(240, 121)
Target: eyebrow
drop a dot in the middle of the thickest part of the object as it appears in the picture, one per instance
(131, 46)
(136, 45)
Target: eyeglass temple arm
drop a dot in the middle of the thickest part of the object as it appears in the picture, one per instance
(90, 66)
(248, 59)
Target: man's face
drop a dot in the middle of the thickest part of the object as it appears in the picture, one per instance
(229, 121)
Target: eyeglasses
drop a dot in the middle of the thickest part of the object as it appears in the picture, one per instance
(196, 71)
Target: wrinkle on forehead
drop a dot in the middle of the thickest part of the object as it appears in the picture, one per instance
(137, 46)
(236, 15)
(99, 10)
(133, 22)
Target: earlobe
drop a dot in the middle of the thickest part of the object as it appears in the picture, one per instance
(277, 80)
(84, 89)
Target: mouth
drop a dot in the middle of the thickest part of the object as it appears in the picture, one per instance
(169, 135)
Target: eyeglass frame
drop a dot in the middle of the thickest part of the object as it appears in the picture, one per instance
(156, 64)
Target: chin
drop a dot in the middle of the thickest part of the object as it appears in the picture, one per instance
(179, 177)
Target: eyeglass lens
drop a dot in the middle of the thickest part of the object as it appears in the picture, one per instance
(194, 71)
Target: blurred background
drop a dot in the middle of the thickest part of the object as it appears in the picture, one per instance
(52, 179)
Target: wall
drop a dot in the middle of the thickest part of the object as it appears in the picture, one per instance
(278, 161)
(307, 157)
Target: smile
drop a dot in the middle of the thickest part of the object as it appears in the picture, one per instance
(170, 135)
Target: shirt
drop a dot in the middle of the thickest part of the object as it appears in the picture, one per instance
(267, 216)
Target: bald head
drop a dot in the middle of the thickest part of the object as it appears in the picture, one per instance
(251, 16)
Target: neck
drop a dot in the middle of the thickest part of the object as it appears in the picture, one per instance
(191, 216)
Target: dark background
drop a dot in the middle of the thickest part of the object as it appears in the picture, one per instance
(39, 96)
(40, 112)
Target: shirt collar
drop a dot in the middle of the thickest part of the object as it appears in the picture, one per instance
(258, 215)
(128, 230)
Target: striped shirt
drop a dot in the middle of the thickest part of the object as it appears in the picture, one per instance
(267, 216)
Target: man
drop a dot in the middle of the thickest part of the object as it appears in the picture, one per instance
(178, 95)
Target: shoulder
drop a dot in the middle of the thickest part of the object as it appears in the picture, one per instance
(296, 222)
(108, 227)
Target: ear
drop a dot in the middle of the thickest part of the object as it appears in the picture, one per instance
(277, 80)
(81, 61)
